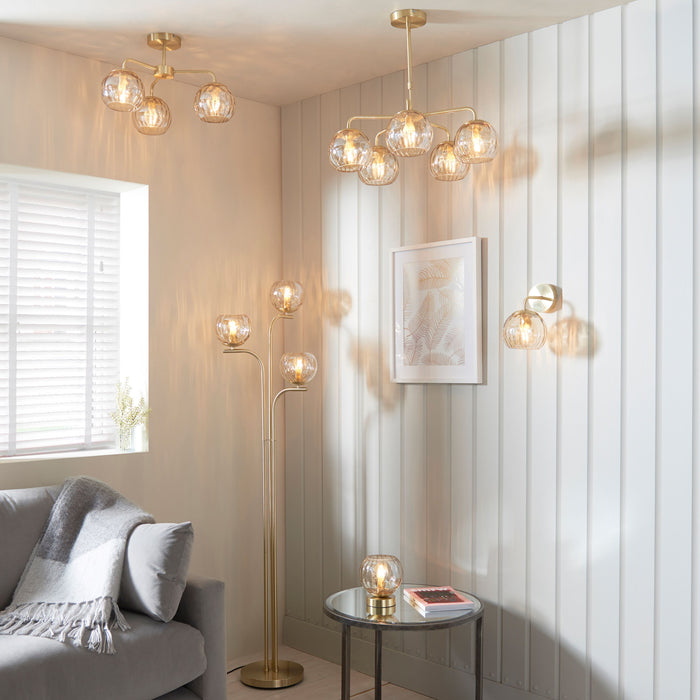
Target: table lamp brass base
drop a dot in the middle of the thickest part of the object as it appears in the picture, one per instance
(381, 606)
(288, 673)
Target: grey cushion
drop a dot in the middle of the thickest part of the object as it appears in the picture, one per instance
(155, 569)
(23, 514)
(152, 659)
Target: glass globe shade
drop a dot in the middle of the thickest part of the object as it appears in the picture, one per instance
(444, 164)
(287, 296)
(214, 103)
(476, 142)
(122, 90)
(380, 575)
(409, 134)
(382, 169)
(298, 368)
(152, 117)
(232, 330)
(524, 330)
(349, 150)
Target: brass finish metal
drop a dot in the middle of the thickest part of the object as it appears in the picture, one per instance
(408, 19)
(287, 673)
(163, 72)
(381, 606)
(164, 40)
(544, 299)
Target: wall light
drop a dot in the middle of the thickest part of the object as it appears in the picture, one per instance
(123, 91)
(525, 329)
(409, 133)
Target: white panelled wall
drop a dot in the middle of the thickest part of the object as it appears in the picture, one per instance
(561, 490)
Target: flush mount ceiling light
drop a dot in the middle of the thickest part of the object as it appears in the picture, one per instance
(409, 133)
(123, 91)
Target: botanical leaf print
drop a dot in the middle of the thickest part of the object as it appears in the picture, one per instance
(433, 312)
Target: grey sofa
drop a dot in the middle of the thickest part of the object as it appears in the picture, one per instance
(179, 660)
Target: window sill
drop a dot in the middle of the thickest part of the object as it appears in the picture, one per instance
(108, 452)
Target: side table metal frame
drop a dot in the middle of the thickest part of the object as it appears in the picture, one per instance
(378, 629)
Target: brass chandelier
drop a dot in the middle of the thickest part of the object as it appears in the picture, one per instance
(123, 91)
(409, 133)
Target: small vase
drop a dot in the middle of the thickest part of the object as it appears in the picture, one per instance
(126, 439)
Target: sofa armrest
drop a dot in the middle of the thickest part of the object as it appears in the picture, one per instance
(202, 606)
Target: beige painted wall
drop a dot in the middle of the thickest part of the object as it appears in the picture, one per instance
(563, 490)
(215, 234)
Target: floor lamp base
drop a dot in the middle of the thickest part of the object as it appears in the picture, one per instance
(288, 673)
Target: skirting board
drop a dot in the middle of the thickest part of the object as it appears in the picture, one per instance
(419, 675)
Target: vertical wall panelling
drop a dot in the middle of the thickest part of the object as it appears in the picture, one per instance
(573, 389)
(604, 293)
(638, 348)
(390, 491)
(414, 476)
(487, 533)
(437, 453)
(695, 581)
(561, 490)
(329, 362)
(462, 395)
(368, 341)
(311, 406)
(674, 346)
(513, 572)
(349, 432)
(292, 457)
(542, 407)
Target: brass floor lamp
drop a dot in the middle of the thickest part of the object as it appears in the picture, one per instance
(298, 370)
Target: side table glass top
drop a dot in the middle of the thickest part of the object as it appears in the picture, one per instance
(350, 607)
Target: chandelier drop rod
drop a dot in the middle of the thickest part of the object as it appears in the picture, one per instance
(409, 68)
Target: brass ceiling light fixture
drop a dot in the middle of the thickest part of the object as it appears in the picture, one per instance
(123, 91)
(409, 133)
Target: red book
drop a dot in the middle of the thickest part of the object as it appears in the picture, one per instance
(436, 598)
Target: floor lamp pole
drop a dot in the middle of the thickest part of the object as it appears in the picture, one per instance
(271, 672)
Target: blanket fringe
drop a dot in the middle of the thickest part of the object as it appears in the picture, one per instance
(87, 624)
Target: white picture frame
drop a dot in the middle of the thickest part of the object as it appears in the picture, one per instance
(437, 313)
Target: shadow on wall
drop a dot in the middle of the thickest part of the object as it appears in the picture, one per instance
(514, 163)
(376, 373)
(572, 337)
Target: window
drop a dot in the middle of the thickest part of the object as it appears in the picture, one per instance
(65, 337)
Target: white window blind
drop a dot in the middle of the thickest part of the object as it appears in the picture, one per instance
(59, 317)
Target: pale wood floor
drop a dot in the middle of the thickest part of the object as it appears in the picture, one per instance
(321, 682)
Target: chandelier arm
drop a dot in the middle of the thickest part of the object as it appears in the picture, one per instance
(139, 63)
(379, 133)
(451, 111)
(444, 128)
(153, 84)
(352, 119)
(193, 70)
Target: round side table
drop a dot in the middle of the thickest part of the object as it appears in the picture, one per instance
(349, 607)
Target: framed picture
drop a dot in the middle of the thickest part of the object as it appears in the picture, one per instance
(437, 312)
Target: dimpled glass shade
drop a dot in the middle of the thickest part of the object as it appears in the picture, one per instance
(349, 150)
(476, 142)
(214, 103)
(298, 368)
(444, 164)
(409, 134)
(381, 575)
(152, 117)
(382, 169)
(122, 90)
(232, 330)
(287, 296)
(524, 330)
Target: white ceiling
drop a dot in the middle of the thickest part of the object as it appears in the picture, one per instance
(279, 51)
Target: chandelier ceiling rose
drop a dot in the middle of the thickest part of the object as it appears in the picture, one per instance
(408, 18)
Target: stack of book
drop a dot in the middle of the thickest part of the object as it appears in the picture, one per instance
(437, 599)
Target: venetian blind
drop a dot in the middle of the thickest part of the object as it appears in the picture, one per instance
(59, 317)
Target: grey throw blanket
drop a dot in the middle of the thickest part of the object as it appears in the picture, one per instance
(70, 586)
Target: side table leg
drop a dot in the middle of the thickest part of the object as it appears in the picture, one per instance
(378, 665)
(478, 693)
(345, 673)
